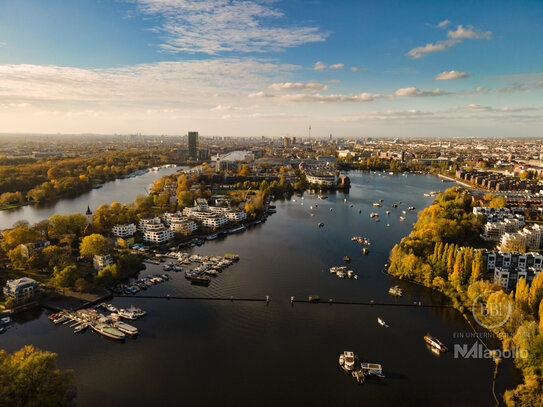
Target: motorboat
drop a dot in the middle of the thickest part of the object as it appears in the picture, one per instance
(348, 360)
(125, 328)
(382, 322)
(109, 331)
(435, 343)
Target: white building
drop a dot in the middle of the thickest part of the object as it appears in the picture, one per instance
(124, 230)
(101, 261)
(146, 223)
(158, 234)
(21, 289)
(322, 178)
(214, 221)
(183, 225)
(525, 239)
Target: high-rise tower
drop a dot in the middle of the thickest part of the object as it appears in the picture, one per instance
(193, 144)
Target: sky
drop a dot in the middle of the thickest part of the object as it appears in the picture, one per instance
(256, 68)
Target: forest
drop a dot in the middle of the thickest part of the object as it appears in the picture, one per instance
(47, 179)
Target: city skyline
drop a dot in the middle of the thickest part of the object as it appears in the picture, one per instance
(271, 68)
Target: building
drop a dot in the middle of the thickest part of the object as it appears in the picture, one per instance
(124, 230)
(494, 231)
(21, 289)
(146, 223)
(508, 267)
(101, 261)
(183, 225)
(158, 234)
(30, 249)
(214, 221)
(322, 178)
(523, 240)
(193, 144)
(88, 216)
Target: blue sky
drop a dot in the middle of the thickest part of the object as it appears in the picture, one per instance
(351, 68)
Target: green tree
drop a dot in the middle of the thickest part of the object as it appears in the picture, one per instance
(31, 378)
(66, 277)
(107, 276)
(93, 245)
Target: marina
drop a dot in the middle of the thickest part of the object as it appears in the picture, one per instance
(247, 310)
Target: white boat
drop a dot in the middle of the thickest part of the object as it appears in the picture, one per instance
(402, 218)
(348, 360)
(5, 320)
(80, 328)
(127, 314)
(341, 360)
(382, 322)
(377, 204)
(109, 331)
(125, 328)
(110, 308)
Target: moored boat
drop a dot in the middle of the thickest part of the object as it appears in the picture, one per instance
(109, 331)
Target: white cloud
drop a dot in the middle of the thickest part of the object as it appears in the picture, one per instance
(411, 92)
(186, 83)
(400, 115)
(468, 33)
(455, 37)
(472, 107)
(261, 95)
(319, 66)
(215, 26)
(443, 24)
(336, 66)
(319, 98)
(419, 52)
(311, 86)
(447, 76)
(354, 69)
(334, 81)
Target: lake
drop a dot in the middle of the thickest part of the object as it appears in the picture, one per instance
(201, 353)
(121, 190)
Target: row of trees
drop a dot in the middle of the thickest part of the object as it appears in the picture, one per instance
(432, 256)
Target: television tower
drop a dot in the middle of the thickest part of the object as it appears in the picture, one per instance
(310, 131)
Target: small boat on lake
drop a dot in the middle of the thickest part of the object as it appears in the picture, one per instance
(347, 360)
(382, 322)
(435, 343)
(396, 291)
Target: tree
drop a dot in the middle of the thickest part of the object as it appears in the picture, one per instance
(498, 202)
(93, 245)
(106, 276)
(57, 256)
(20, 235)
(478, 267)
(536, 293)
(522, 293)
(31, 378)
(184, 199)
(65, 277)
(60, 225)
